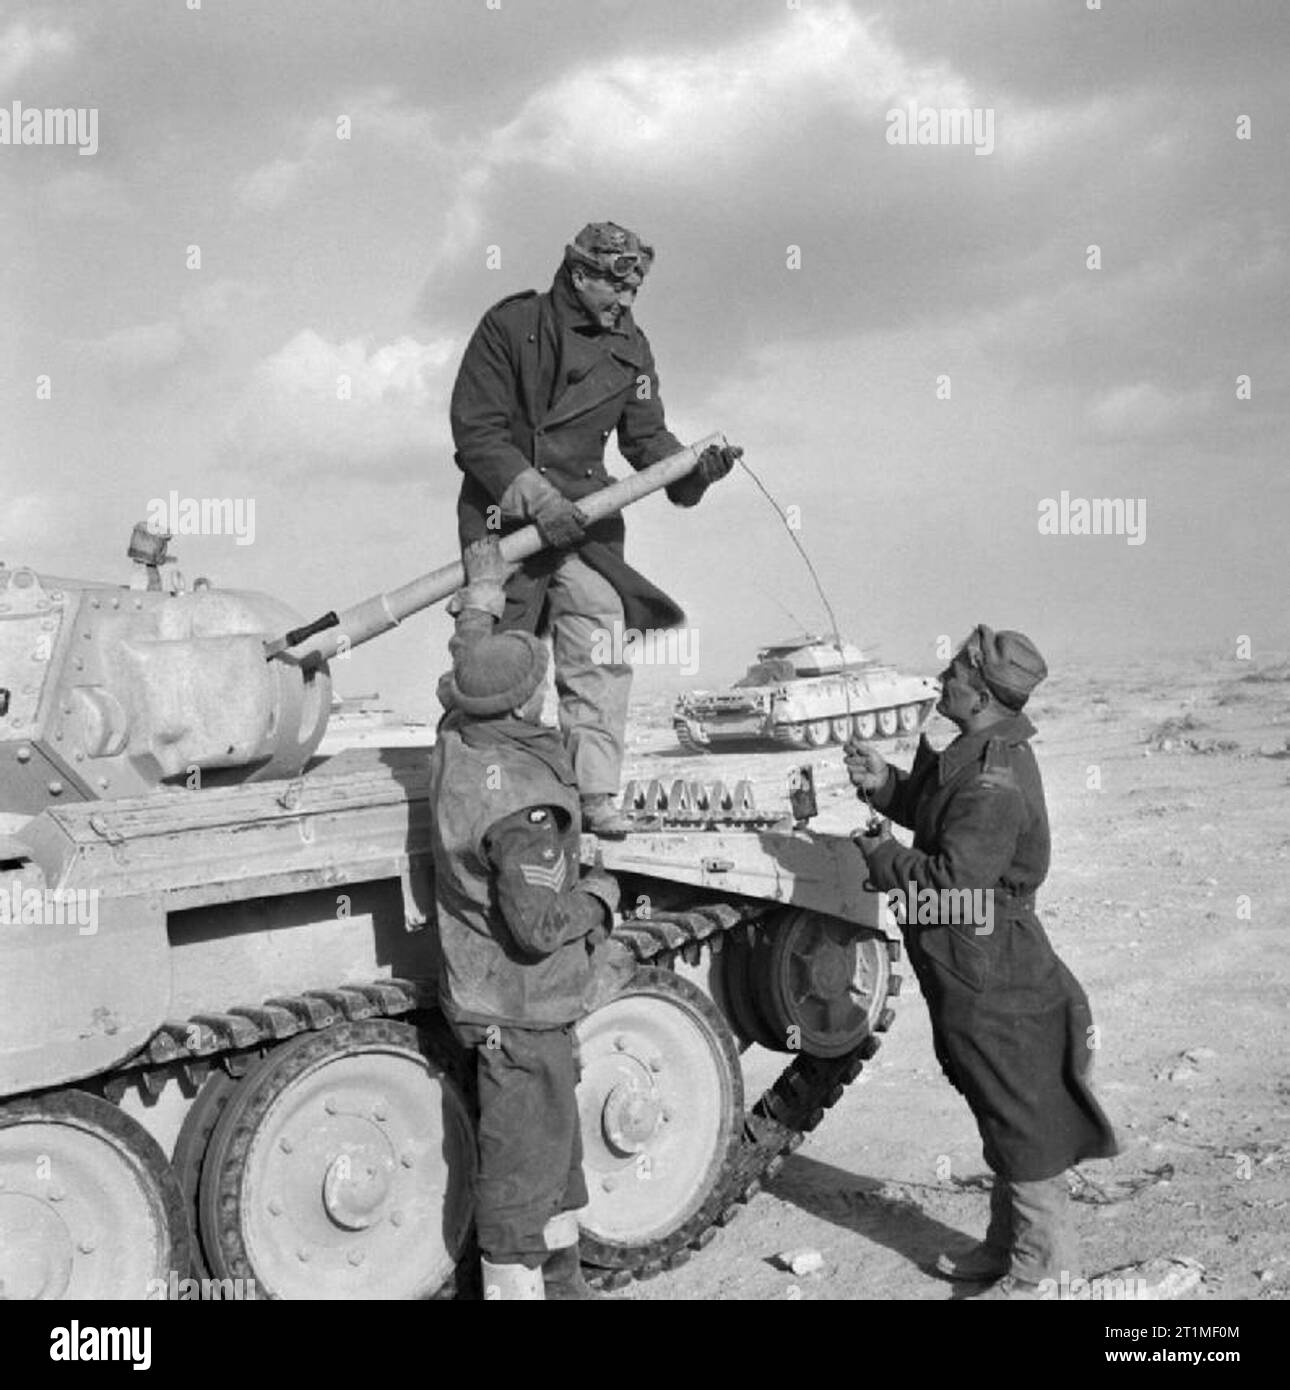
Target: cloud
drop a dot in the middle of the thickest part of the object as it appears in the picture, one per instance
(348, 403)
(1144, 411)
(22, 47)
(90, 194)
(736, 120)
(202, 323)
(368, 121)
(270, 185)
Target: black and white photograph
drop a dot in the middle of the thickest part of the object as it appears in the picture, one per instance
(645, 657)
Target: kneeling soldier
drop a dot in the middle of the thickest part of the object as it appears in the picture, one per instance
(519, 931)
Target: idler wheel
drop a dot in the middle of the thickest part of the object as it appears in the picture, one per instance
(819, 984)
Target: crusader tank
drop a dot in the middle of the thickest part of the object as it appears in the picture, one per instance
(806, 693)
(222, 1071)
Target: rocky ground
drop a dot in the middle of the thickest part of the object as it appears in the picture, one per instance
(1169, 897)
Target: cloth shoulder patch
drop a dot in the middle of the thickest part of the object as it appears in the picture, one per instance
(550, 876)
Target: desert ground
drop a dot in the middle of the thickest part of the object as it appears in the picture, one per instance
(1169, 897)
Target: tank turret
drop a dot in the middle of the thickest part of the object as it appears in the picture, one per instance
(107, 691)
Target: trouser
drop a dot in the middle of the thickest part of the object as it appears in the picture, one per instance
(1030, 1223)
(530, 1141)
(585, 618)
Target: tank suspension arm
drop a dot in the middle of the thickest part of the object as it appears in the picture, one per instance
(321, 640)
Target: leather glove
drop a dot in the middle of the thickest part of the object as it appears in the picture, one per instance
(716, 461)
(486, 575)
(560, 522)
(866, 767)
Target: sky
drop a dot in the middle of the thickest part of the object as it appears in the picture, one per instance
(916, 344)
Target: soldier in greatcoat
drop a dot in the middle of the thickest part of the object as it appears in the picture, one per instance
(545, 380)
(1011, 1025)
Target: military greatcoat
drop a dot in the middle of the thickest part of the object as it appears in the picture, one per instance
(1010, 1023)
(542, 386)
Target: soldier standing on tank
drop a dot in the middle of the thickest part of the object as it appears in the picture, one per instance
(519, 931)
(544, 381)
(1011, 1025)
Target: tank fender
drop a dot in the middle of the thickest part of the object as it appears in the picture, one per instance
(810, 869)
(87, 982)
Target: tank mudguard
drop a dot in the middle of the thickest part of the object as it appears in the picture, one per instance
(811, 869)
(87, 982)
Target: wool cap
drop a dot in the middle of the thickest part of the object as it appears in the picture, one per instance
(496, 675)
(1009, 662)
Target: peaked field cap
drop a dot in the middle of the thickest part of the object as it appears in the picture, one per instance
(1009, 662)
(498, 674)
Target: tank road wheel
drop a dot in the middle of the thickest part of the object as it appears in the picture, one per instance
(909, 718)
(791, 735)
(661, 1100)
(817, 733)
(341, 1167)
(866, 724)
(89, 1207)
(840, 728)
(888, 722)
(820, 984)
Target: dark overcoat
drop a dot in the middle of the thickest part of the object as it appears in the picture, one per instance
(540, 387)
(1010, 1023)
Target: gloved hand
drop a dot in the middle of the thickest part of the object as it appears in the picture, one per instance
(716, 461)
(866, 767)
(561, 523)
(486, 576)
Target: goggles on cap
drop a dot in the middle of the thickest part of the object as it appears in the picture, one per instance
(614, 265)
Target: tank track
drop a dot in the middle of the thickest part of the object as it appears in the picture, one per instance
(234, 1039)
(773, 1128)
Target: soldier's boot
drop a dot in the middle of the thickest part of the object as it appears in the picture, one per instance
(982, 1264)
(511, 1283)
(564, 1280)
(991, 1258)
(600, 816)
(1042, 1246)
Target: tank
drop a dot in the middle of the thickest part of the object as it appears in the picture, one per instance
(222, 1069)
(806, 693)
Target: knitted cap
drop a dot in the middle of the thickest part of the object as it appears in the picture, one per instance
(497, 674)
(1009, 662)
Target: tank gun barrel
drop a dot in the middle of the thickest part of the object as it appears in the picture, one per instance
(333, 632)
